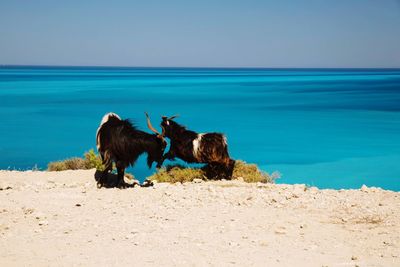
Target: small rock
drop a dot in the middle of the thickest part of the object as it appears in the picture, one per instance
(298, 190)
(233, 244)
(129, 236)
(364, 188)
(354, 258)
(280, 231)
(313, 190)
(197, 180)
(160, 185)
(78, 205)
(260, 185)
(27, 210)
(40, 215)
(5, 188)
(44, 222)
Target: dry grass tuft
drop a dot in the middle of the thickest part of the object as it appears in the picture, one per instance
(91, 160)
(68, 164)
(177, 173)
(250, 173)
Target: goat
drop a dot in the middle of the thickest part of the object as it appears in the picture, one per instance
(192, 147)
(119, 141)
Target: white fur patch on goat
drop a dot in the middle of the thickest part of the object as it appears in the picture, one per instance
(196, 145)
(104, 120)
(107, 117)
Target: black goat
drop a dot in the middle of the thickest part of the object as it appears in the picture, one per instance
(192, 147)
(120, 142)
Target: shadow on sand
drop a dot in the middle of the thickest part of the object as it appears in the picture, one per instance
(111, 181)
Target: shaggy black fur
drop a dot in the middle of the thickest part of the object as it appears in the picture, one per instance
(212, 148)
(120, 142)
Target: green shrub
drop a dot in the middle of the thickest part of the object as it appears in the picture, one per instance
(91, 160)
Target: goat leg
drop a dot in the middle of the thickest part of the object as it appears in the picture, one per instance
(163, 158)
(121, 173)
(170, 155)
(103, 176)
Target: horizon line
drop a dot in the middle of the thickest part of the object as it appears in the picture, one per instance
(187, 67)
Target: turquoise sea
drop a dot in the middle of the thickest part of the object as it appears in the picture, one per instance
(331, 128)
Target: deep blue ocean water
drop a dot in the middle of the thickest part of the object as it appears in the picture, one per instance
(328, 128)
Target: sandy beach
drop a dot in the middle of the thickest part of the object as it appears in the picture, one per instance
(62, 219)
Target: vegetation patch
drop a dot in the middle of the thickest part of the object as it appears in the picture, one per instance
(90, 160)
(249, 173)
(177, 173)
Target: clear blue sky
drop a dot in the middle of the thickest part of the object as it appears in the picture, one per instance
(324, 33)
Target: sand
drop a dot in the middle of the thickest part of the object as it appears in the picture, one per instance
(62, 219)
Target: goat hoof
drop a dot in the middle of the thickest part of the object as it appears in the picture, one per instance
(99, 185)
(121, 185)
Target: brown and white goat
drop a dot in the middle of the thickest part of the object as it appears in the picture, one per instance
(192, 147)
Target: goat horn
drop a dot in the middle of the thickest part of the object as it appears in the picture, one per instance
(173, 117)
(162, 133)
(149, 124)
